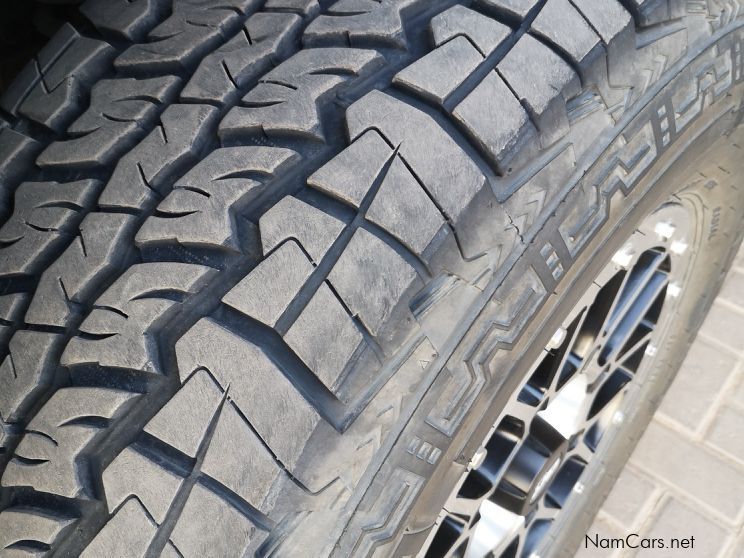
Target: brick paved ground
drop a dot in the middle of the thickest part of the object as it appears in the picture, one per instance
(686, 477)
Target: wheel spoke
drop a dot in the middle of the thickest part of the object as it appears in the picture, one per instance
(464, 507)
(630, 352)
(521, 411)
(494, 532)
(633, 317)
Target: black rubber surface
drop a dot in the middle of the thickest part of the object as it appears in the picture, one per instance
(250, 250)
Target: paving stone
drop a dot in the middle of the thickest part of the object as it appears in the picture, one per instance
(724, 325)
(691, 469)
(628, 497)
(736, 548)
(727, 433)
(697, 384)
(733, 288)
(677, 520)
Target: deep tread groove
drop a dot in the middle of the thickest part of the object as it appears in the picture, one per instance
(342, 411)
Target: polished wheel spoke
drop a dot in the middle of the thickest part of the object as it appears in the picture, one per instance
(635, 317)
(465, 507)
(494, 532)
(633, 284)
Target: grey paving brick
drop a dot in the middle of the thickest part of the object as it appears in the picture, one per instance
(727, 433)
(733, 288)
(691, 469)
(677, 520)
(697, 384)
(631, 493)
(736, 547)
(725, 325)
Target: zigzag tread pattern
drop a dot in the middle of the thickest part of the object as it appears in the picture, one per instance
(203, 210)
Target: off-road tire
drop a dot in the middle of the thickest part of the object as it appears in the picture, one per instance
(268, 268)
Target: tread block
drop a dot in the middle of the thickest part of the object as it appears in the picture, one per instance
(555, 20)
(194, 28)
(350, 174)
(28, 525)
(607, 17)
(537, 74)
(305, 8)
(29, 76)
(494, 119)
(291, 218)
(227, 533)
(45, 213)
(513, 8)
(325, 338)
(133, 474)
(128, 533)
(16, 155)
(182, 423)
(484, 32)
(79, 270)
(402, 208)
(267, 290)
(46, 457)
(371, 291)
(52, 86)
(10, 306)
(25, 371)
(244, 58)
(119, 112)
(359, 22)
(237, 458)
(285, 100)
(121, 318)
(197, 211)
(150, 164)
(128, 19)
(436, 75)
(448, 174)
(264, 395)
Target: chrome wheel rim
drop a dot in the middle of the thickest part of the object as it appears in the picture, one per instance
(535, 455)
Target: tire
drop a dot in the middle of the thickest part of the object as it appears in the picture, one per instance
(271, 271)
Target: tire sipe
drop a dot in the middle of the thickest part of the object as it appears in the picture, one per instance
(354, 278)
